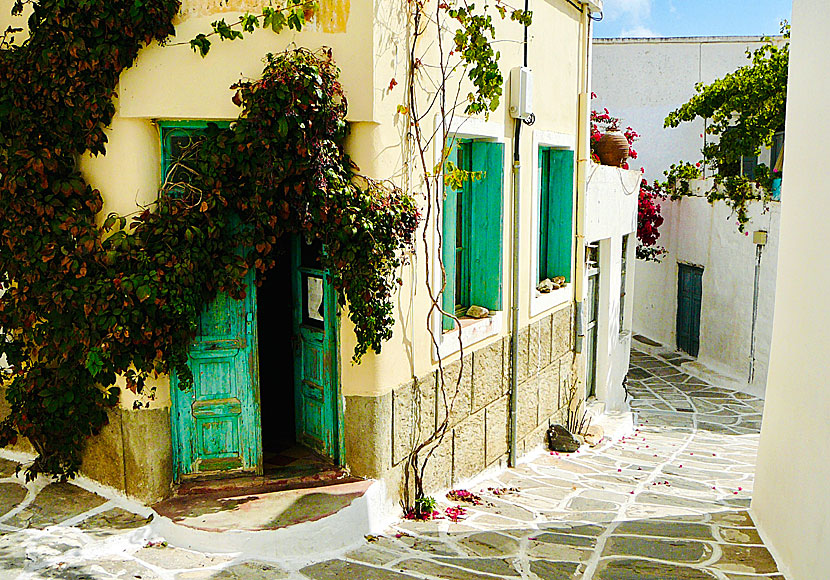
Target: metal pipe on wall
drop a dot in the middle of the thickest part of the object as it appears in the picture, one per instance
(513, 427)
(583, 153)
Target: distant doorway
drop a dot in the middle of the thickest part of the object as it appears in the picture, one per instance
(689, 298)
(591, 319)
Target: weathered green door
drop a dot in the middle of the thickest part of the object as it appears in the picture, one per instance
(689, 298)
(216, 423)
(315, 353)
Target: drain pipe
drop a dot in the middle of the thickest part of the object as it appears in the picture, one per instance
(514, 315)
(759, 248)
(583, 152)
(513, 428)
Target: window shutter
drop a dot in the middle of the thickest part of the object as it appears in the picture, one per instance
(544, 214)
(560, 212)
(448, 213)
(486, 239)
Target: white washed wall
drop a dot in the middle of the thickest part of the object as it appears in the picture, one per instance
(791, 501)
(641, 81)
(695, 232)
(611, 213)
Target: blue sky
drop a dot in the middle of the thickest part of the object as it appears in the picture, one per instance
(624, 18)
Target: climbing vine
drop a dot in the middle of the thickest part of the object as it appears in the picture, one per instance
(649, 218)
(450, 43)
(83, 303)
(745, 110)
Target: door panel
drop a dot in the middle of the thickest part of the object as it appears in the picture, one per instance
(216, 425)
(315, 393)
(689, 299)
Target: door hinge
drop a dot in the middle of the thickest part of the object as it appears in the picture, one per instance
(249, 323)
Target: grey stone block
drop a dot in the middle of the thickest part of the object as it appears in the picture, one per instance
(148, 459)
(528, 406)
(55, 503)
(548, 392)
(338, 569)
(459, 394)
(413, 415)
(497, 419)
(488, 374)
(439, 467)
(524, 342)
(103, 457)
(367, 423)
(562, 331)
(546, 339)
(468, 446)
(507, 362)
(534, 349)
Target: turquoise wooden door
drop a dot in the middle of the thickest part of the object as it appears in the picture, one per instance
(216, 423)
(689, 298)
(315, 353)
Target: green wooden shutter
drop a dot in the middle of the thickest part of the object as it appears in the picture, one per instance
(544, 213)
(560, 212)
(487, 213)
(448, 244)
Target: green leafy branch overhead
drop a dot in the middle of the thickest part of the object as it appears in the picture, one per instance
(81, 304)
(294, 14)
(745, 110)
(473, 42)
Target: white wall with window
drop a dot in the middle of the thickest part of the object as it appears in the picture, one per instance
(610, 235)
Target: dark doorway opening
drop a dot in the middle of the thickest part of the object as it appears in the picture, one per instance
(276, 355)
(282, 456)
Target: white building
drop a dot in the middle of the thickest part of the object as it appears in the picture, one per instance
(791, 502)
(611, 239)
(728, 321)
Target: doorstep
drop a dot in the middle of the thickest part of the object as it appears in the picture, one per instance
(245, 515)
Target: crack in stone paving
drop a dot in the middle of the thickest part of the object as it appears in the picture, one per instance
(668, 501)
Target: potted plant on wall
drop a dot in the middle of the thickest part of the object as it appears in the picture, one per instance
(609, 144)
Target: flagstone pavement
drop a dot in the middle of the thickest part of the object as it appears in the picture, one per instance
(668, 502)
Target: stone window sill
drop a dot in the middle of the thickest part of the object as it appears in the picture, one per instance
(472, 330)
(540, 303)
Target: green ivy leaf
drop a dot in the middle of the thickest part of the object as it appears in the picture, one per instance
(143, 293)
(200, 44)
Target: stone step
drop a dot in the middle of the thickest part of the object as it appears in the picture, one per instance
(290, 523)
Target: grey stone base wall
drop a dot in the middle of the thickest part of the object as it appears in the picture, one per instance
(381, 431)
(132, 453)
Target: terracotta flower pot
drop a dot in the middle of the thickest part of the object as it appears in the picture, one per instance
(612, 149)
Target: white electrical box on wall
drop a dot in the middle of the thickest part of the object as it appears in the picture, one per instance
(521, 91)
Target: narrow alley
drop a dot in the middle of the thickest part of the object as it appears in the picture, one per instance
(666, 502)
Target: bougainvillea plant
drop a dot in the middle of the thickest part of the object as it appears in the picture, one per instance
(83, 303)
(648, 222)
(601, 123)
(649, 218)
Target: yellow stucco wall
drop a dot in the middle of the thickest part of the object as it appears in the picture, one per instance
(369, 43)
(556, 56)
(172, 82)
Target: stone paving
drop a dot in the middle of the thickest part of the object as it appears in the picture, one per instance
(666, 502)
